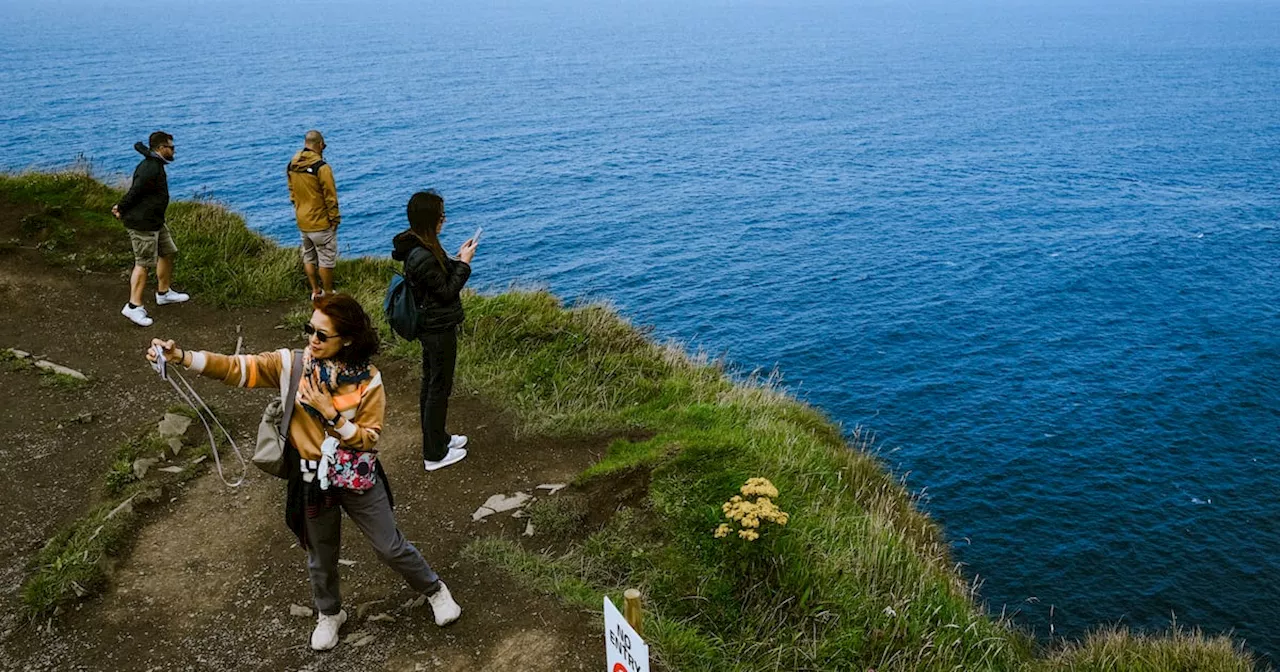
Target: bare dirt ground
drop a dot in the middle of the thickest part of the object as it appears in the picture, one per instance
(210, 579)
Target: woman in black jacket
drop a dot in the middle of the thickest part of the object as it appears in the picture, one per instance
(436, 280)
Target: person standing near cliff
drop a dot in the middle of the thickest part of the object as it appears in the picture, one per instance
(437, 281)
(315, 205)
(142, 212)
(331, 457)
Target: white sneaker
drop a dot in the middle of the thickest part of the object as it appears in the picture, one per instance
(325, 636)
(443, 606)
(457, 441)
(171, 296)
(454, 456)
(137, 315)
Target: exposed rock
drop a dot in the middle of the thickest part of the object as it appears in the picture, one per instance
(141, 465)
(528, 529)
(59, 369)
(174, 425)
(499, 503)
(384, 616)
(299, 610)
(346, 563)
(365, 607)
(552, 488)
(126, 507)
(171, 469)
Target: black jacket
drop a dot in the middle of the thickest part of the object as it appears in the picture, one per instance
(435, 289)
(142, 208)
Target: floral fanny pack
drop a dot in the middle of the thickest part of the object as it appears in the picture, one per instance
(354, 469)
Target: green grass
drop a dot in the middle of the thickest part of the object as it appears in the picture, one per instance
(61, 381)
(858, 579)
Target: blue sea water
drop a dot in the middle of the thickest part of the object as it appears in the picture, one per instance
(1031, 245)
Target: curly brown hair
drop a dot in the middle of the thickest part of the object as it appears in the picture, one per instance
(353, 324)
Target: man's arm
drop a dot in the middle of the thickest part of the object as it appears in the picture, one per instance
(330, 192)
(143, 176)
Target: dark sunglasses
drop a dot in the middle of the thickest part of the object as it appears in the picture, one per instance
(310, 331)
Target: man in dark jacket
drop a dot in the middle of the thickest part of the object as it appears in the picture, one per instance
(142, 211)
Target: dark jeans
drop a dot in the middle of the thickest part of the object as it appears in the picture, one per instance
(439, 357)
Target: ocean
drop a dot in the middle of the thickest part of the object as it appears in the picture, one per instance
(1031, 246)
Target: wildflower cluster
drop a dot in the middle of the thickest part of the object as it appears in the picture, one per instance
(749, 514)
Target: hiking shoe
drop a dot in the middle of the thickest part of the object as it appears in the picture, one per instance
(137, 315)
(325, 636)
(454, 456)
(171, 296)
(443, 606)
(457, 441)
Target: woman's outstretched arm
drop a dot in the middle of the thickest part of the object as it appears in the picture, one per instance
(260, 370)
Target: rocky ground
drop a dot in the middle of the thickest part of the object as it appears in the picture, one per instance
(214, 578)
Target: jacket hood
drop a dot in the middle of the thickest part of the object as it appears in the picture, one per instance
(403, 244)
(305, 158)
(144, 150)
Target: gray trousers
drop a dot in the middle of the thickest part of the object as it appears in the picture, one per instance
(371, 512)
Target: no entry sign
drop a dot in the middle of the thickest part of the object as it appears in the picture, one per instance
(624, 650)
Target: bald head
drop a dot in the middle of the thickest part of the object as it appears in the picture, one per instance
(314, 141)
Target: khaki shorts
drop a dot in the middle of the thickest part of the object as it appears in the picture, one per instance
(320, 247)
(148, 245)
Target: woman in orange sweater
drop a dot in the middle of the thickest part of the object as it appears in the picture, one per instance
(339, 410)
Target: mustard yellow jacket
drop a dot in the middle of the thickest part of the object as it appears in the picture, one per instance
(311, 189)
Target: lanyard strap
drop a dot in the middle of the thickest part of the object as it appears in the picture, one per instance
(190, 398)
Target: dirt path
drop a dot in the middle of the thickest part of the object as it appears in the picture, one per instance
(210, 580)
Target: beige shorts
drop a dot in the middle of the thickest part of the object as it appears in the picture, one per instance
(320, 248)
(149, 245)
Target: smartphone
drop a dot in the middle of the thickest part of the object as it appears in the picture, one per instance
(159, 364)
(475, 238)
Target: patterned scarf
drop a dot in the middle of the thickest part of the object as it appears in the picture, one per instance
(332, 374)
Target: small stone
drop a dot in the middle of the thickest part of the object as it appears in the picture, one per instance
(60, 370)
(174, 425)
(552, 488)
(299, 610)
(528, 529)
(141, 465)
(126, 507)
(384, 616)
(200, 459)
(175, 445)
(365, 607)
(355, 636)
(346, 563)
(415, 602)
(171, 469)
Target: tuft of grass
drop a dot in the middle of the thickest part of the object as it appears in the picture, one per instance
(1177, 650)
(558, 517)
(61, 381)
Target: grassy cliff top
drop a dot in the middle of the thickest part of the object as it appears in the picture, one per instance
(856, 579)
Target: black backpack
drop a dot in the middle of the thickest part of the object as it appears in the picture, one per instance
(399, 305)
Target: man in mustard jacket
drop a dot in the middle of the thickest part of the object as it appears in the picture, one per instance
(315, 203)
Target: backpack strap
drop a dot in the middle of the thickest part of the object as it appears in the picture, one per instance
(295, 377)
(313, 169)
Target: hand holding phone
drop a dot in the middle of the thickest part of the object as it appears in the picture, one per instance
(475, 238)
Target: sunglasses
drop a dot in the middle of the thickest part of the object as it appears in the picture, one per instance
(310, 331)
